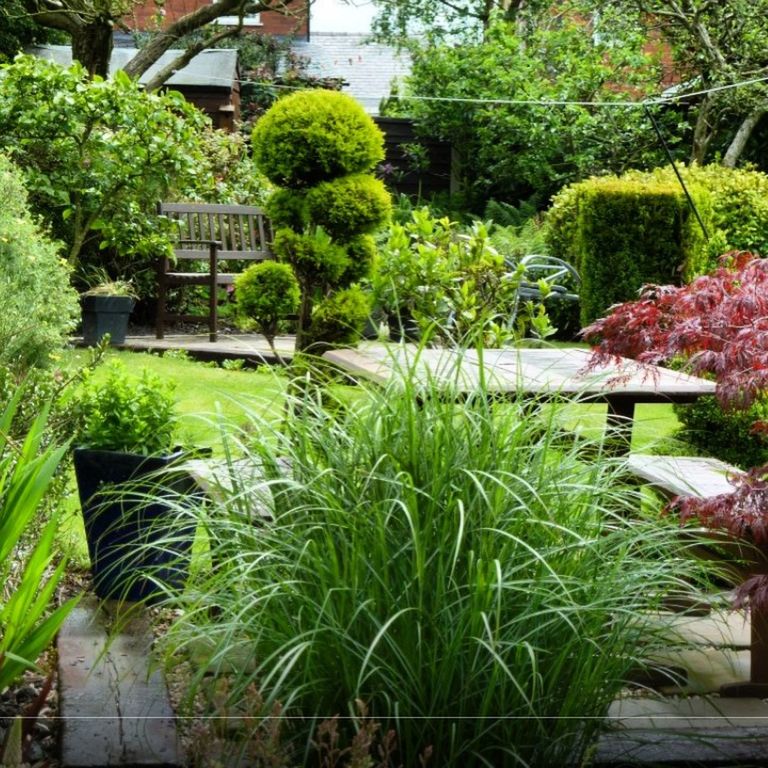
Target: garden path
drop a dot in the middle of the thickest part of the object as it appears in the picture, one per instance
(691, 724)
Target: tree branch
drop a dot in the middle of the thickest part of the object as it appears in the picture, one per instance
(204, 15)
(187, 55)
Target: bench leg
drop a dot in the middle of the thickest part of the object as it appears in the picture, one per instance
(213, 312)
(757, 685)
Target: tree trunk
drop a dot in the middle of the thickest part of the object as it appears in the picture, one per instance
(702, 133)
(739, 142)
(92, 46)
(305, 318)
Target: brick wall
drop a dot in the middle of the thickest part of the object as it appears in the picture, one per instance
(145, 17)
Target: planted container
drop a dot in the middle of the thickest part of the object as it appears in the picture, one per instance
(127, 484)
(136, 541)
(105, 315)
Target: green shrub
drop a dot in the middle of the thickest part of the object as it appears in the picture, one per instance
(40, 309)
(97, 154)
(628, 232)
(733, 203)
(340, 319)
(314, 136)
(317, 146)
(361, 255)
(727, 435)
(561, 224)
(314, 257)
(266, 293)
(453, 283)
(355, 204)
(126, 412)
(288, 208)
(739, 202)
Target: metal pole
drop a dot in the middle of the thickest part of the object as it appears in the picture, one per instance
(677, 173)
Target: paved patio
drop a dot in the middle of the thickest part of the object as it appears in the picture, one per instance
(691, 725)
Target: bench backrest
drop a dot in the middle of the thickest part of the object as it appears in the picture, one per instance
(241, 230)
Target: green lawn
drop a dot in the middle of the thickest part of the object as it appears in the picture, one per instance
(208, 395)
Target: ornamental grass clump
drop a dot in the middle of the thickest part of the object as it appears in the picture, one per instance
(458, 569)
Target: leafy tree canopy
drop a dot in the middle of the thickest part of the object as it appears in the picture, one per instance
(714, 43)
(96, 154)
(510, 150)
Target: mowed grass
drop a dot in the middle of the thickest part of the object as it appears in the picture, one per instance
(210, 397)
(206, 393)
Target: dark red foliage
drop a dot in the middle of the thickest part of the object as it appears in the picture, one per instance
(753, 592)
(742, 513)
(718, 325)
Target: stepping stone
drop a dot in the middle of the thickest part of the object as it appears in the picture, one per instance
(114, 704)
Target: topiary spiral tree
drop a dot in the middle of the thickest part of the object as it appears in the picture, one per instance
(319, 148)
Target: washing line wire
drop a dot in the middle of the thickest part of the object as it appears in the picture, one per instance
(643, 104)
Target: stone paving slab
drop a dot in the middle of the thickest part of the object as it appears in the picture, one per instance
(114, 706)
(675, 728)
(718, 629)
(716, 748)
(252, 348)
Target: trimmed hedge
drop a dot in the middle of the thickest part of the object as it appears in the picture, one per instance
(622, 233)
(628, 234)
(733, 202)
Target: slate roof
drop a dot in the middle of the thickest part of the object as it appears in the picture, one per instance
(367, 69)
(213, 68)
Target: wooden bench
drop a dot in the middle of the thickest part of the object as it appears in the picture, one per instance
(212, 234)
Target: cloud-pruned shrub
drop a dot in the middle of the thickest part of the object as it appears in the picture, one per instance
(319, 148)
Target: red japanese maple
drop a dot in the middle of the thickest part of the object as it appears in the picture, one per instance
(716, 325)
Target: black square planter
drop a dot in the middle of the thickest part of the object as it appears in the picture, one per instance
(105, 314)
(128, 510)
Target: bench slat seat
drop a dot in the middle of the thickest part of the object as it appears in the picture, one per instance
(211, 234)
